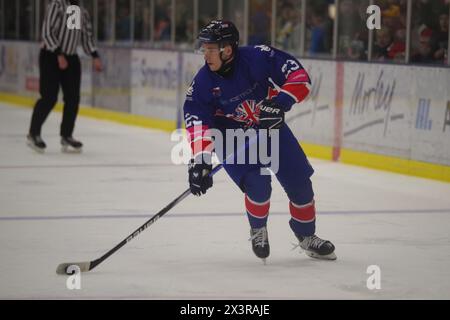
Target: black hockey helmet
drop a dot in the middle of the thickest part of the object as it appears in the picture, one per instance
(221, 32)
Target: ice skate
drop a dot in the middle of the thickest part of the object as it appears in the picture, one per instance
(316, 247)
(36, 143)
(260, 243)
(70, 145)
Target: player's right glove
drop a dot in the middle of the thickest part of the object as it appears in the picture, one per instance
(199, 179)
(271, 115)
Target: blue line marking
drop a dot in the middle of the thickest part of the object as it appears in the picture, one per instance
(198, 215)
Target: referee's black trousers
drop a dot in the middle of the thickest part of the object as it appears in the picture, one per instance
(51, 77)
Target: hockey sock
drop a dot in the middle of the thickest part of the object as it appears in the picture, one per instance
(303, 218)
(257, 212)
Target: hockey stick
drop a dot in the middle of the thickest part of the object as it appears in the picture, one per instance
(67, 268)
(63, 268)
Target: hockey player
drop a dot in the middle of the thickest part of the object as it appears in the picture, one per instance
(252, 87)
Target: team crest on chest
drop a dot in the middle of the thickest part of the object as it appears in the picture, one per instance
(247, 112)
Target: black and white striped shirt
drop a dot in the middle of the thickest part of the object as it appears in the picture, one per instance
(59, 38)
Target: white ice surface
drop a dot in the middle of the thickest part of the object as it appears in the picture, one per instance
(58, 207)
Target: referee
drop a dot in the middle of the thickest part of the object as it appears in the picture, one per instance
(59, 64)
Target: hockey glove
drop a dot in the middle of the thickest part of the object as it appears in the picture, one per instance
(271, 115)
(199, 179)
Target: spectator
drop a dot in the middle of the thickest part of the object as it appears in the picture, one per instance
(356, 50)
(259, 26)
(398, 47)
(349, 43)
(382, 45)
(440, 39)
(105, 15)
(391, 16)
(424, 53)
(162, 30)
(123, 24)
(287, 23)
(320, 33)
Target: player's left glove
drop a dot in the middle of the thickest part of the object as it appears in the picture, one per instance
(199, 179)
(271, 115)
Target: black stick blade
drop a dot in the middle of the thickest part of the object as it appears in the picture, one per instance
(70, 268)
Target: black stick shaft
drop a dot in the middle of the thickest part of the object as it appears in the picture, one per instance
(140, 229)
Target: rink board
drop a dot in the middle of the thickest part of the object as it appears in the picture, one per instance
(384, 116)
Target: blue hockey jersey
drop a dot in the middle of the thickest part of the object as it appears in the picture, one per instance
(260, 72)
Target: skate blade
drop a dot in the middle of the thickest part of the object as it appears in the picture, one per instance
(264, 261)
(331, 256)
(32, 146)
(67, 149)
